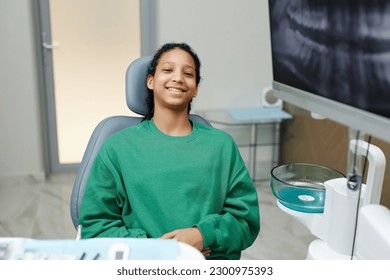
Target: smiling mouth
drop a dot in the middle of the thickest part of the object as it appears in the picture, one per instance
(175, 89)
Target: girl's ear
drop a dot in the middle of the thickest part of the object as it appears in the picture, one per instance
(149, 82)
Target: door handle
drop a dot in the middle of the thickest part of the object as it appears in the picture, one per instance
(50, 46)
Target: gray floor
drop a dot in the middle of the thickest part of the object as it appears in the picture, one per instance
(33, 209)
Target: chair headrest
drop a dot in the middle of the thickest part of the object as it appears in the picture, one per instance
(136, 90)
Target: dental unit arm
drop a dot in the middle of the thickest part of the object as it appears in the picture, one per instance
(376, 171)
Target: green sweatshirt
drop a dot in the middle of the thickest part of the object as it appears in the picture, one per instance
(144, 183)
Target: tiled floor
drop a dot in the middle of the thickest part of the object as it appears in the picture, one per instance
(40, 210)
(29, 208)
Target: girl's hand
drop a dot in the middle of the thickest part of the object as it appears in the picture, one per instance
(206, 252)
(190, 236)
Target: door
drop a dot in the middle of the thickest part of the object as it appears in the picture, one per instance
(86, 48)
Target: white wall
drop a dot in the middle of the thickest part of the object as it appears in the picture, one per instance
(20, 123)
(231, 38)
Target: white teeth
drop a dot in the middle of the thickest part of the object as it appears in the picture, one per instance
(175, 89)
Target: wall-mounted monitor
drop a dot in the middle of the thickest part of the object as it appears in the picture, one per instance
(332, 57)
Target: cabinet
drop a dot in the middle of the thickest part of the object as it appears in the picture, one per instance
(256, 132)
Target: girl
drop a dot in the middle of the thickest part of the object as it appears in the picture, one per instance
(169, 177)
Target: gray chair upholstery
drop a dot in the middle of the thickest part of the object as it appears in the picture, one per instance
(136, 92)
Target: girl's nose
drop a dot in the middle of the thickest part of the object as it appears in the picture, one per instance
(177, 77)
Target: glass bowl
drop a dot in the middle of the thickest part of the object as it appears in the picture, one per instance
(300, 186)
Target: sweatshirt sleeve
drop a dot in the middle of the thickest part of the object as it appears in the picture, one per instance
(104, 197)
(238, 225)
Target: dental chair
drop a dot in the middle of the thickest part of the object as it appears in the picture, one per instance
(136, 92)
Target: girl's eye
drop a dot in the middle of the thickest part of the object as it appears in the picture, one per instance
(189, 74)
(167, 70)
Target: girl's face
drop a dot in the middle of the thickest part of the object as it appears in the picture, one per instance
(174, 82)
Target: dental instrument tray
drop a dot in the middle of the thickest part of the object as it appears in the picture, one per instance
(300, 186)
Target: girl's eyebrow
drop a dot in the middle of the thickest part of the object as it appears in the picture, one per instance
(189, 66)
(166, 62)
(171, 63)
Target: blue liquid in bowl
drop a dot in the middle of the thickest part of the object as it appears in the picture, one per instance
(303, 200)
